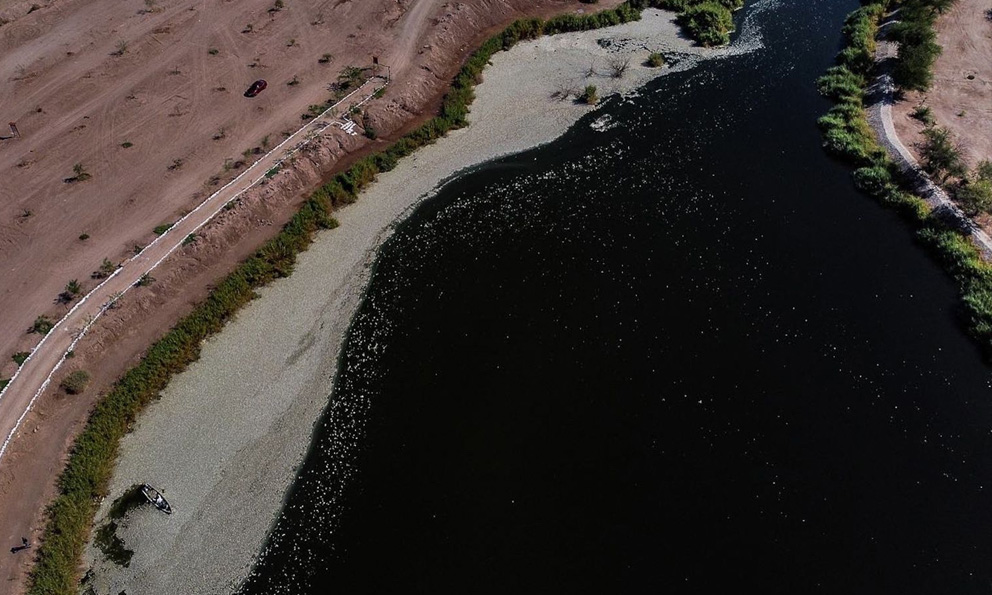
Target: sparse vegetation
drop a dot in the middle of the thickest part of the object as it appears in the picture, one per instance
(160, 229)
(177, 163)
(221, 133)
(127, 144)
(84, 236)
(145, 280)
(121, 48)
(325, 59)
(213, 51)
(75, 383)
(270, 174)
(190, 239)
(291, 43)
(20, 357)
(42, 325)
(656, 60)
(293, 81)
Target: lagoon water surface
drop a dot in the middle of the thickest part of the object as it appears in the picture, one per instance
(672, 352)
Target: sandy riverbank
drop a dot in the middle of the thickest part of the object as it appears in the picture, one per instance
(227, 435)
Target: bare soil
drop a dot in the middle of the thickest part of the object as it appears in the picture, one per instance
(77, 98)
(961, 97)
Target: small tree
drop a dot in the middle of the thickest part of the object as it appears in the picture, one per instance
(75, 382)
(941, 157)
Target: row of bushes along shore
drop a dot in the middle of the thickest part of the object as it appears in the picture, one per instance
(91, 462)
(848, 135)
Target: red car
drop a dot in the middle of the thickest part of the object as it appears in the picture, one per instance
(256, 88)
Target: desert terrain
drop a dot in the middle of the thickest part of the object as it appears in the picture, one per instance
(961, 96)
(147, 99)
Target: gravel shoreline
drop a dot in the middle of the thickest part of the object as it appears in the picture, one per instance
(225, 440)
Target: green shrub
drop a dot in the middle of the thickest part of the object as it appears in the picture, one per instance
(656, 60)
(589, 95)
(709, 23)
(975, 196)
(923, 114)
(160, 229)
(941, 156)
(75, 383)
(20, 357)
(42, 325)
(874, 180)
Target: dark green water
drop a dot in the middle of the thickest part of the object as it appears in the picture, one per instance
(681, 355)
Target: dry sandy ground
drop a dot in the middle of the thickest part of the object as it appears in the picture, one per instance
(163, 96)
(226, 437)
(959, 103)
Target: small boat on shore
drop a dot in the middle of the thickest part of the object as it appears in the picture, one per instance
(156, 498)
